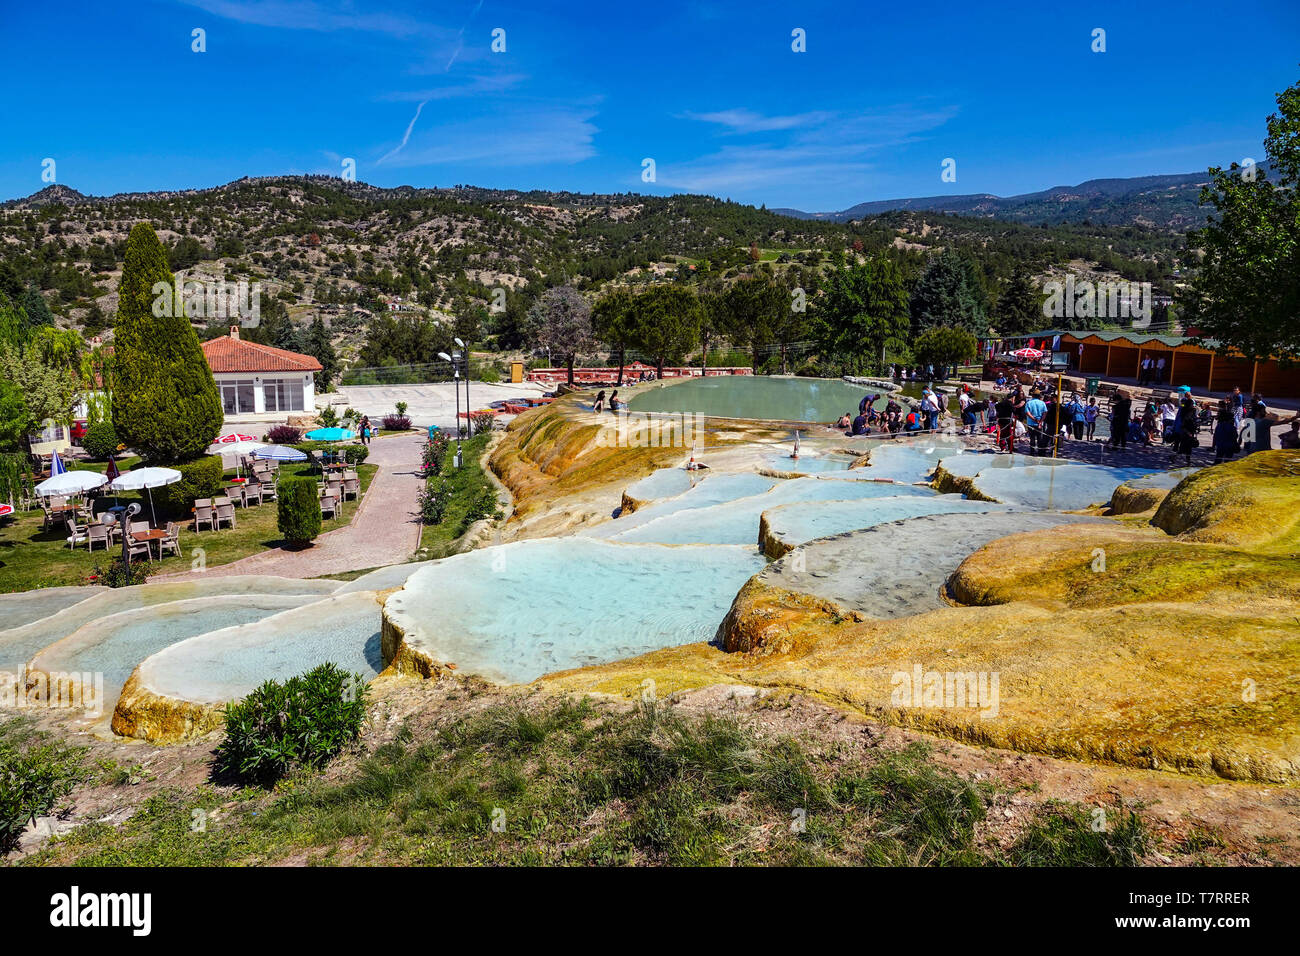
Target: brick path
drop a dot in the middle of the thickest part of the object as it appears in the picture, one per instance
(384, 530)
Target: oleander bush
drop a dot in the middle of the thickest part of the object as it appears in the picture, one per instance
(303, 722)
(284, 435)
(395, 423)
(481, 422)
(298, 510)
(33, 779)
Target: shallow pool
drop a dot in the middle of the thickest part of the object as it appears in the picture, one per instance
(755, 397)
(18, 645)
(1054, 487)
(518, 611)
(114, 645)
(736, 522)
(227, 664)
(719, 488)
(796, 524)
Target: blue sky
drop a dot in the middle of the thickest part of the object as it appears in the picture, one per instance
(712, 91)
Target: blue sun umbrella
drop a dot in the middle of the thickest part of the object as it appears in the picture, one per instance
(280, 453)
(329, 434)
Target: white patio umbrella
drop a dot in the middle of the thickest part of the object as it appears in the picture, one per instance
(70, 483)
(237, 448)
(148, 479)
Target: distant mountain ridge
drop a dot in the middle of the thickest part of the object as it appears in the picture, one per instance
(1162, 202)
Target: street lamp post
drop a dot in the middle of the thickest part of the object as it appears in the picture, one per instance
(131, 511)
(469, 421)
(455, 372)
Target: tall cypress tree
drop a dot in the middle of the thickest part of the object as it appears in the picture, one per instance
(165, 404)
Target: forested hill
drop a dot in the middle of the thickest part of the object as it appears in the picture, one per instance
(314, 241)
(1158, 202)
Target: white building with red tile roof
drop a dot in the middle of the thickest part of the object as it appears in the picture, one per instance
(259, 382)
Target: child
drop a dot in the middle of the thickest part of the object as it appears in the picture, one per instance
(1090, 417)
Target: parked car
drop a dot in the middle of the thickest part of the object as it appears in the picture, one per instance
(78, 431)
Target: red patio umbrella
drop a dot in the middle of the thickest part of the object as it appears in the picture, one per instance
(1028, 355)
(232, 439)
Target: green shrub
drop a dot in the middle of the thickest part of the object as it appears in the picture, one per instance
(201, 478)
(481, 422)
(116, 575)
(32, 781)
(355, 454)
(433, 501)
(100, 441)
(303, 722)
(298, 510)
(328, 418)
(12, 467)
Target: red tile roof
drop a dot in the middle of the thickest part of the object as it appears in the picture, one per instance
(226, 354)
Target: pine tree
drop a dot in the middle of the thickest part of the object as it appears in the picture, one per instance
(33, 303)
(1020, 309)
(949, 293)
(320, 348)
(165, 405)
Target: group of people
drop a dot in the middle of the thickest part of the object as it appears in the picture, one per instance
(1152, 371)
(1042, 416)
(888, 420)
(613, 403)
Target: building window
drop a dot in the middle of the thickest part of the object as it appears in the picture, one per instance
(283, 395)
(237, 397)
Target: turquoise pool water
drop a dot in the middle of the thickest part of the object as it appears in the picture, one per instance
(755, 397)
(227, 664)
(719, 488)
(736, 522)
(806, 521)
(114, 645)
(18, 645)
(665, 483)
(1054, 487)
(518, 611)
(910, 461)
(24, 607)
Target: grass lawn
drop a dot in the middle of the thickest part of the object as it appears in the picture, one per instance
(577, 783)
(468, 484)
(33, 558)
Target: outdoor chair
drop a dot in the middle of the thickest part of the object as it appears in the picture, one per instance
(252, 494)
(172, 541)
(268, 489)
(138, 527)
(103, 533)
(225, 511)
(351, 488)
(134, 547)
(203, 514)
(75, 535)
(329, 506)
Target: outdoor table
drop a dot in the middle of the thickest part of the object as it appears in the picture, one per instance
(156, 534)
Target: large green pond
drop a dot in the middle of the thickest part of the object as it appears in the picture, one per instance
(759, 397)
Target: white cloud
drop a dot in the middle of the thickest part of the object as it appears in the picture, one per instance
(311, 15)
(748, 121)
(822, 148)
(524, 139)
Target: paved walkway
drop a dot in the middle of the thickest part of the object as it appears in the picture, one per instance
(384, 530)
(431, 404)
